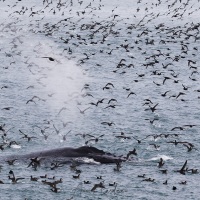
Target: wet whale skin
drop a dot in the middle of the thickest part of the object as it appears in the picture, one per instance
(68, 154)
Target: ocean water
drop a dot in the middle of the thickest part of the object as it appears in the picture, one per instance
(88, 40)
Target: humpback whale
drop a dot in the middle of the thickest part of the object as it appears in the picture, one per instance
(68, 154)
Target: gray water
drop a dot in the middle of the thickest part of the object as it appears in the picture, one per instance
(30, 30)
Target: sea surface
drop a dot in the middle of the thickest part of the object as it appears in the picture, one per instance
(116, 75)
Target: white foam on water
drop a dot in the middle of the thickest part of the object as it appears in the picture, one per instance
(86, 160)
(164, 157)
(15, 146)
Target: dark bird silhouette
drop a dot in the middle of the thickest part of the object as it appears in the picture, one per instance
(193, 171)
(149, 180)
(190, 61)
(110, 106)
(165, 66)
(131, 94)
(11, 162)
(183, 182)
(189, 125)
(94, 104)
(173, 142)
(111, 100)
(51, 184)
(13, 178)
(100, 101)
(83, 135)
(112, 184)
(157, 147)
(108, 123)
(140, 75)
(55, 189)
(83, 111)
(66, 123)
(177, 128)
(50, 95)
(62, 109)
(45, 135)
(148, 100)
(153, 109)
(189, 147)
(165, 183)
(2, 146)
(109, 84)
(193, 79)
(180, 93)
(95, 139)
(98, 185)
(34, 178)
(139, 141)
(50, 58)
(99, 177)
(57, 131)
(122, 136)
(86, 182)
(7, 108)
(2, 127)
(35, 97)
(64, 137)
(165, 78)
(106, 88)
(161, 163)
(30, 100)
(76, 176)
(174, 188)
(164, 94)
(133, 152)
(152, 121)
(27, 137)
(87, 95)
(185, 87)
(35, 162)
(141, 176)
(158, 84)
(45, 176)
(118, 166)
(183, 169)
(56, 165)
(164, 171)
(4, 87)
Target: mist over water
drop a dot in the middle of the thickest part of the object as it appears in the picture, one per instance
(55, 102)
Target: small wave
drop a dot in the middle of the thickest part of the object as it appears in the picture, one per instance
(164, 157)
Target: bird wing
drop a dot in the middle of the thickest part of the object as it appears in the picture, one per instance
(86, 109)
(94, 188)
(101, 135)
(182, 169)
(19, 179)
